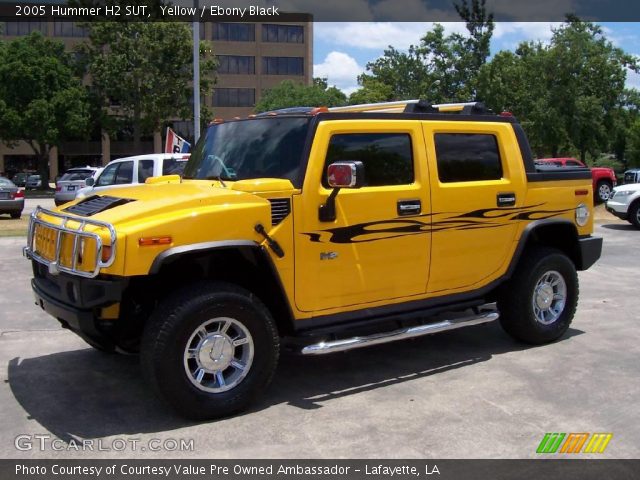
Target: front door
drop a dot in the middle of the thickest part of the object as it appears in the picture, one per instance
(377, 248)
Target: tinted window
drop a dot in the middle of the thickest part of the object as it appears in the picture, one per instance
(282, 33)
(234, 32)
(387, 157)
(171, 166)
(573, 163)
(234, 97)
(145, 170)
(282, 65)
(108, 175)
(467, 157)
(125, 173)
(236, 64)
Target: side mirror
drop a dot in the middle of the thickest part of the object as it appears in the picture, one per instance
(343, 174)
(90, 182)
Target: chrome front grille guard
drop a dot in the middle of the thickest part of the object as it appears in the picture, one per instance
(79, 233)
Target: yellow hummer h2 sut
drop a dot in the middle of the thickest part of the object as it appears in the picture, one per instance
(305, 226)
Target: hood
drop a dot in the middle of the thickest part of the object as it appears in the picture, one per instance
(628, 187)
(137, 203)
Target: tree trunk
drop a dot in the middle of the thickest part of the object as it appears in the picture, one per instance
(583, 156)
(554, 151)
(43, 169)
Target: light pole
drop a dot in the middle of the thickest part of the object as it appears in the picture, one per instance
(196, 76)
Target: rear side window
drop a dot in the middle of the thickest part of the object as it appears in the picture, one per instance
(171, 166)
(467, 157)
(387, 157)
(145, 170)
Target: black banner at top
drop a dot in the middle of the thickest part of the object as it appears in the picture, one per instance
(319, 11)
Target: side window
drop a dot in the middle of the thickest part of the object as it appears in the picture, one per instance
(467, 157)
(573, 163)
(108, 175)
(125, 173)
(387, 157)
(145, 170)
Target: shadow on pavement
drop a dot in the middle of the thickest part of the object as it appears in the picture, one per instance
(88, 394)
(620, 226)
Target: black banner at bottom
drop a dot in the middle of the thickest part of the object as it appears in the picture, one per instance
(319, 469)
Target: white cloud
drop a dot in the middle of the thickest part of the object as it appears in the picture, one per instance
(341, 70)
(525, 30)
(378, 35)
(633, 79)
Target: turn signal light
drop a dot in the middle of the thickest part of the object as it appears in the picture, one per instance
(106, 253)
(150, 241)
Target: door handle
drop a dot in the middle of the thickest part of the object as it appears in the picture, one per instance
(409, 207)
(506, 199)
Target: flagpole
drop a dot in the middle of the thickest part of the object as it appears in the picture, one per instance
(196, 76)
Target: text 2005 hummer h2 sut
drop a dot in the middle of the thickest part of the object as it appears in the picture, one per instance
(306, 226)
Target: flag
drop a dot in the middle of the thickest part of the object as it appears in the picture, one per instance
(175, 143)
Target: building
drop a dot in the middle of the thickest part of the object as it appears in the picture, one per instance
(252, 57)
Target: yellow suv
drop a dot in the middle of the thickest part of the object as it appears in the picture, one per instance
(309, 226)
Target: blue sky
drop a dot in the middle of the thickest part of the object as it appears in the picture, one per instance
(342, 50)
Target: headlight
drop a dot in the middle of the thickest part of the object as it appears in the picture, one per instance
(582, 214)
(624, 193)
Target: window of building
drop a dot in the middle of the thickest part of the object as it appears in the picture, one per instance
(25, 28)
(236, 64)
(467, 157)
(234, 97)
(234, 32)
(282, 66)
(283, 33)
(69, 29)
(387, 157)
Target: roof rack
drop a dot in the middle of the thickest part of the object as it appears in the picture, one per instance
(417, 106)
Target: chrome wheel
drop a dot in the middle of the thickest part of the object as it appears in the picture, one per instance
(549, 297)
(604, 191)
(218, 355)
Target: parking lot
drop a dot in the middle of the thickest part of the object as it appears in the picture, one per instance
(471, 393)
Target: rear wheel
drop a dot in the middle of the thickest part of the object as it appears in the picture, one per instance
(634, 214)
(603, 191)
(210, 350)
(538, 304)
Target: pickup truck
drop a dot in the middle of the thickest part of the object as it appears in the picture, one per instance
(604, 178)
(321, 230)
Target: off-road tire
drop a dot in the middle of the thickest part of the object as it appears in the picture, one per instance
(516, 300)
(171, 329)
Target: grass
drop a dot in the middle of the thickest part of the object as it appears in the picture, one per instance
(13, 228)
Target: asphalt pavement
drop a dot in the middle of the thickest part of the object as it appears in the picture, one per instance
(470, 393)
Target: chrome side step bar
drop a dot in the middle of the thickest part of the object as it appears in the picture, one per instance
(400, 334)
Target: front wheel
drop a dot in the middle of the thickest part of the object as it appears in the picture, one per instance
(634, 214)
(538, 304)
(210, 350)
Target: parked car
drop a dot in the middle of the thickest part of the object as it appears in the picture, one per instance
(604, 178)
(11, 198)
(624, 203)
(632, 176)
(20, 179)
(134, 171)
(388, 230)
(72, 181)
(33, 182)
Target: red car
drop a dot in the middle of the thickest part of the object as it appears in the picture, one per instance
(604, 179)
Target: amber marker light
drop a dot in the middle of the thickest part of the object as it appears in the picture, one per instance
(151, 241)
(106, 253)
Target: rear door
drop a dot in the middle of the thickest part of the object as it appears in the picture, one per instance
(478, 187)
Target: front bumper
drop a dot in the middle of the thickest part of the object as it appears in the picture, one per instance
(590, 251)
(77, 302)
(618, 209)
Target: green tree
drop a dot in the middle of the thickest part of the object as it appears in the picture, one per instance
(440, 68)
(293, 94)
(141, 73)
(633, 145)
(42, 102)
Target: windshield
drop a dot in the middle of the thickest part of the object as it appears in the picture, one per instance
(260, 148)
(76, 175)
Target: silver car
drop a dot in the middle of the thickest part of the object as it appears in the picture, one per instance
(11, 198)
(72, 181)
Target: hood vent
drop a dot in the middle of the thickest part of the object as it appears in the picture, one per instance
(96, 204)
(280, 208)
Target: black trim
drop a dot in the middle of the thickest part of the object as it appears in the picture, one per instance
(525, 148)
(448, 117)
(174, 253)
(557, 174)
(590, 251)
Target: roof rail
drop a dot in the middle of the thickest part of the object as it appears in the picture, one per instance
(416, 106)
